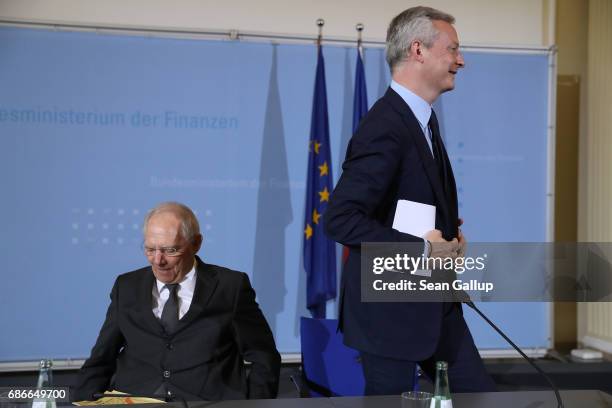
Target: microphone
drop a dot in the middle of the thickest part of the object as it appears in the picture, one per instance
(165, 397)
(529, 360)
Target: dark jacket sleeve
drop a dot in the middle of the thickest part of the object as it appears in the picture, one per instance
(364, 193)
(256, 343)
(97, 371)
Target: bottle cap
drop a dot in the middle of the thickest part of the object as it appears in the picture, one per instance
(46, 363)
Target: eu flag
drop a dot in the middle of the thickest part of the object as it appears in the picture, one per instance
(319, 251)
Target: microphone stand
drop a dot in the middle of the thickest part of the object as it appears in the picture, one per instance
(529, 360)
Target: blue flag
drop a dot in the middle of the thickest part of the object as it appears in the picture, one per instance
(360, 101)
(319, 251)
(360, 108)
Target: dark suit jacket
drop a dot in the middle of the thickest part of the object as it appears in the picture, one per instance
(387, 160)
(203, 359)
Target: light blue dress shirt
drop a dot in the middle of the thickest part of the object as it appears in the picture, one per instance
(418, 106)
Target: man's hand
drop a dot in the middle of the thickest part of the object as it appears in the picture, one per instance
(441, 248)
(462, 240)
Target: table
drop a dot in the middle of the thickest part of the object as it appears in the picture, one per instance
(516, 399)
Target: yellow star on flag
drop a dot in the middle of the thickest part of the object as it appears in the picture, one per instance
(315, 216)
(316, 147)
(324, 195)
(323, 169)
(308, 231)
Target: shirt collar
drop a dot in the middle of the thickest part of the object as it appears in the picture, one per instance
(187, 280)
(418, 105)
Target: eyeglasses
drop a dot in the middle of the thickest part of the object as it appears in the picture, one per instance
(166, 251)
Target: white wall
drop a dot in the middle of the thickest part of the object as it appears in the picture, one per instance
(486, 22)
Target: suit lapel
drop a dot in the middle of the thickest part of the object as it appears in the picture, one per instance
(450, 188)
(429, 164)
(206, 283)
(146, 302)
(451, 175)
(452, 197)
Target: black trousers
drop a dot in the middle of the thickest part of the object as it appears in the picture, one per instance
(466, 371)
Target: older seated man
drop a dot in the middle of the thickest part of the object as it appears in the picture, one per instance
(181, 327)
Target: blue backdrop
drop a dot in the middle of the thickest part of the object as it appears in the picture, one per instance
(96, 129)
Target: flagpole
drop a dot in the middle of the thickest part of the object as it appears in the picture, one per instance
(359, 27)
(320, 24)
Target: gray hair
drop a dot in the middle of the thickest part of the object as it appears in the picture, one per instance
(190, 228)
(413, 24)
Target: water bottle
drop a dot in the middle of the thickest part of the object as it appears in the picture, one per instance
(45, 374)
(45, 380)
(442, 396)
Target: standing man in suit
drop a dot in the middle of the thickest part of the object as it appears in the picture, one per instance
(181, 327)
(397, 154)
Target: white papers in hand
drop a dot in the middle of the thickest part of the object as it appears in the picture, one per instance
(414, 218)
